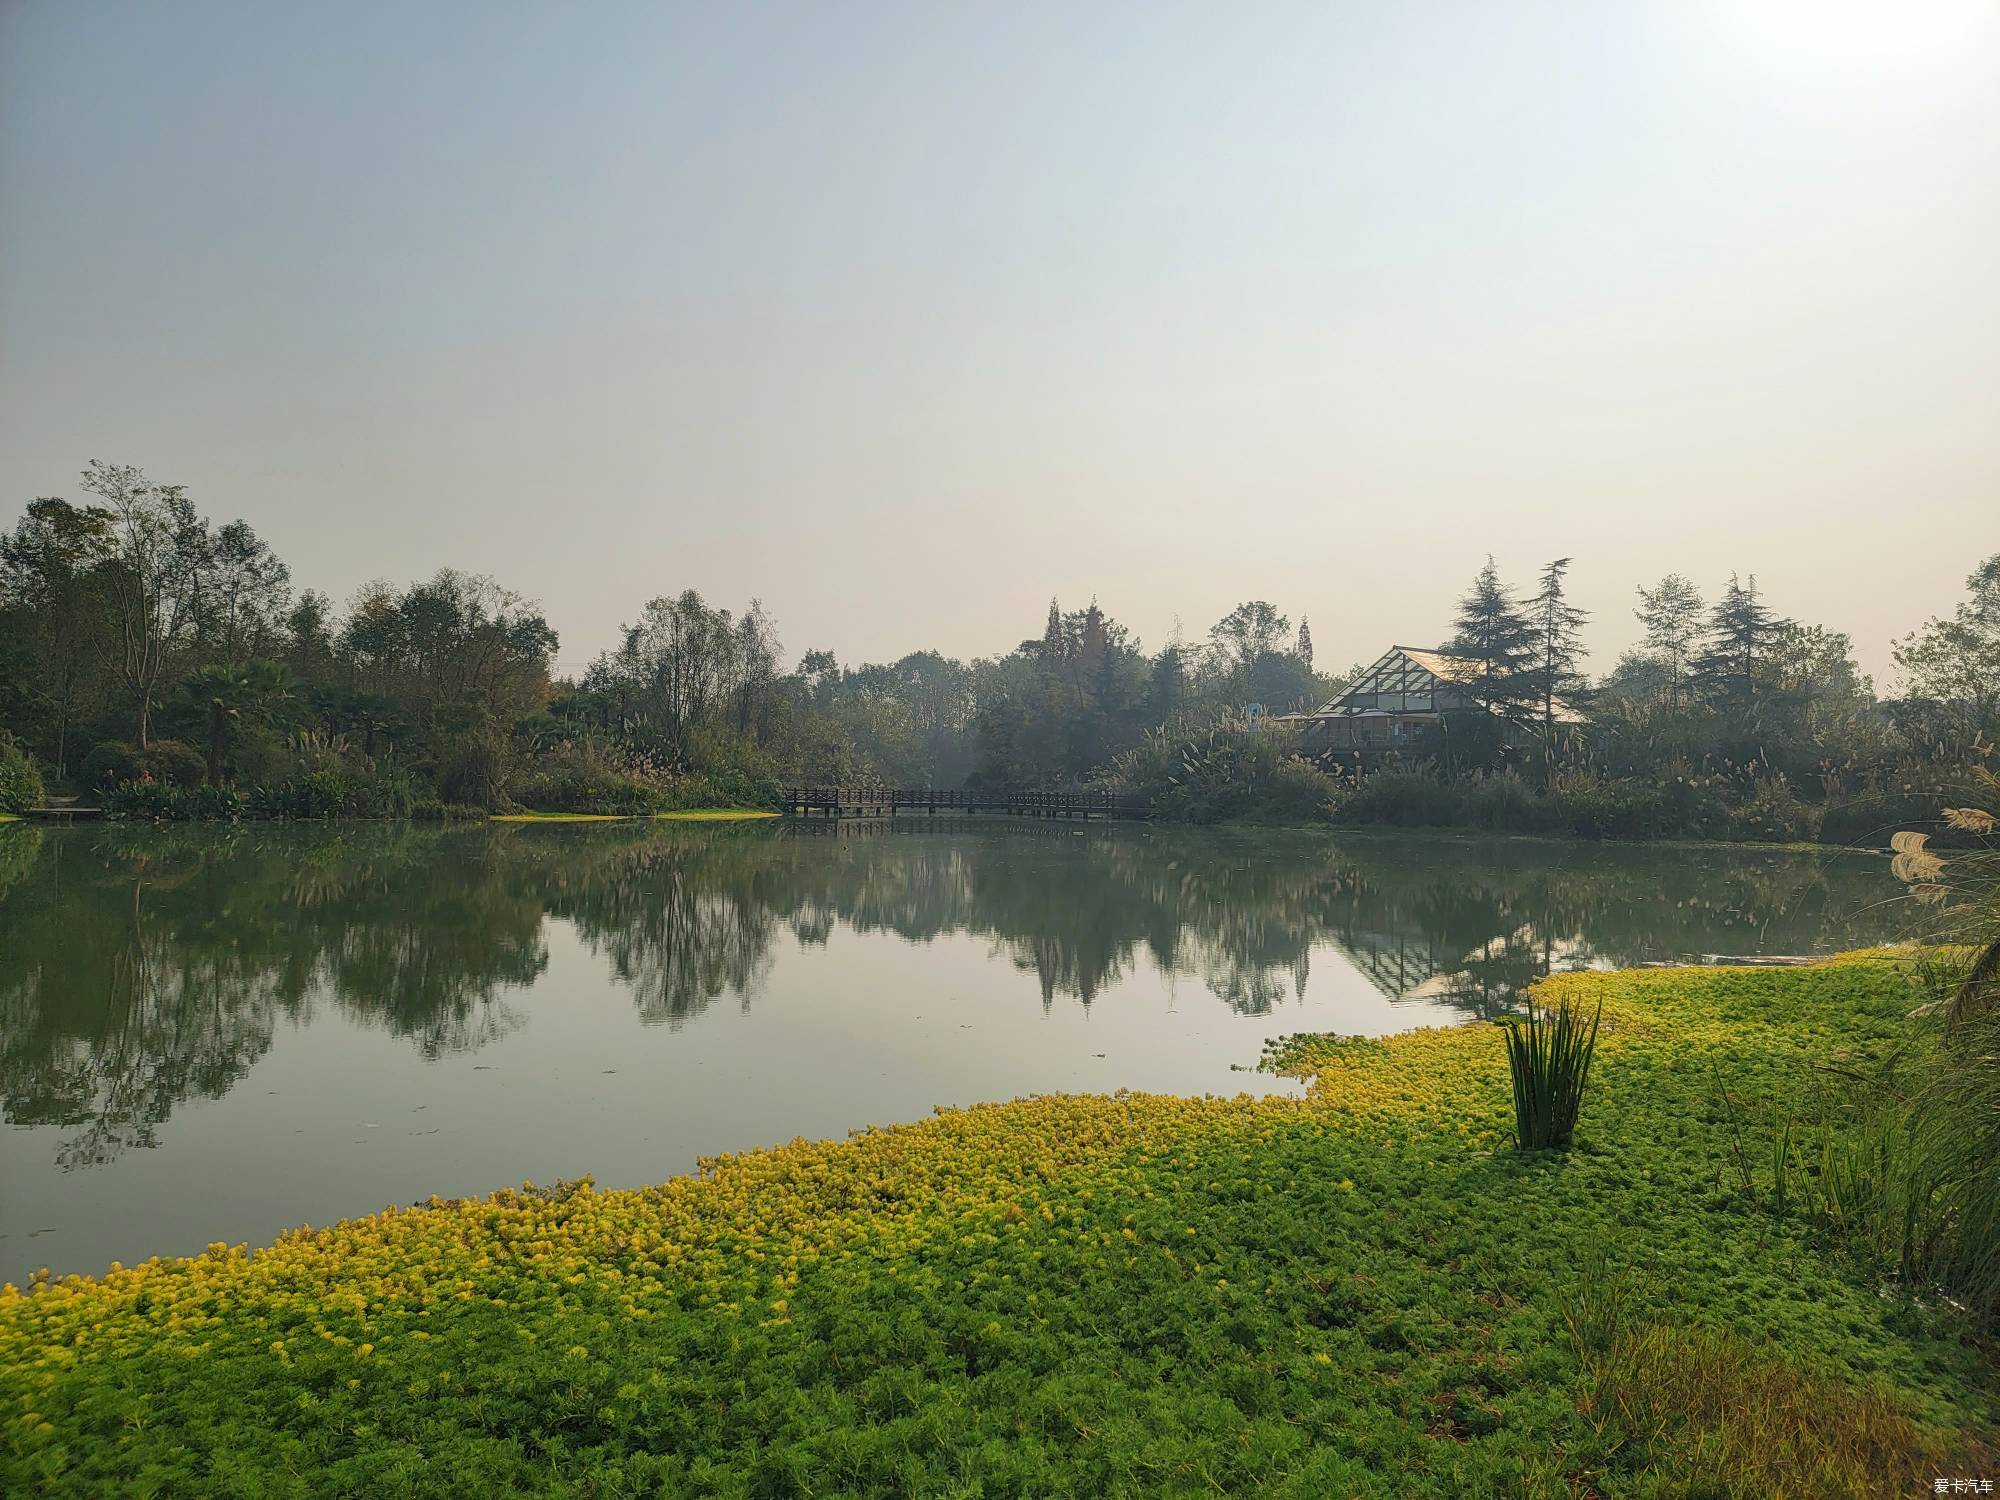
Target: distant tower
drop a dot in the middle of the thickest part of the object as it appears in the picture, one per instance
(1305, 642)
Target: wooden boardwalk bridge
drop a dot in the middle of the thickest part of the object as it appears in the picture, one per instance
(940, 802)
(61, 810)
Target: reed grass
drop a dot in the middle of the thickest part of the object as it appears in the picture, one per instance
(1548, 1055)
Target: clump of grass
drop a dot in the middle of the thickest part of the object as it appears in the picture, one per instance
(1549, 1055)
(1600, 1302)
(1740, 1422)
(1782, 1157)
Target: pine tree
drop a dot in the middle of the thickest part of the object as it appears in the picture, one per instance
(1052, 638)
(1095, 642)
(1558, 644)
(1671, 615)
(1167, 687)
(1498, 638)
(1740, 629)
(1305, 646)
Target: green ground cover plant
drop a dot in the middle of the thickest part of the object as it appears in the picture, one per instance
(1364, 1291)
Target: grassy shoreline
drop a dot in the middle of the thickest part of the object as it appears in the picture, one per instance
(1324, 830)
(1469, 835)
(687, 815)
(1364, 1291)
(1483, 835)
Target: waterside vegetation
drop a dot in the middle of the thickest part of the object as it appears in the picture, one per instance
(164, 665)
(1368, 1290)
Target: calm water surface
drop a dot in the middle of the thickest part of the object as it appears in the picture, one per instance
(216, 1034)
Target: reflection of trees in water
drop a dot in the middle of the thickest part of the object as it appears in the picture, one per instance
(141, 968)
(1473, 923)
(1466, 922)
(679, 922)
(172, 1026)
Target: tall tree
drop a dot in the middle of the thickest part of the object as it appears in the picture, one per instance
(1671, 615)
(1811, 672)
(1741, 628)
(1498, 638)
(150, 578)
(1558, 644)
(51, 591)
(1304, 649)
(308, 636)
(1956, 662)
(1091, 649)
(1248, 632)
(1052, 636)
(1166, 686)
(820, 670)
(455, 637)
(242, 598)
(754, 666)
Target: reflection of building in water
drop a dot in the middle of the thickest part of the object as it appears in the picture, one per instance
(1485, 979)
(1394, 963)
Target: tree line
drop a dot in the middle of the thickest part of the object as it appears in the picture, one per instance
(153, 656)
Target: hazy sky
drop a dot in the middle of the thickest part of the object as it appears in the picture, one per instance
(906, 318)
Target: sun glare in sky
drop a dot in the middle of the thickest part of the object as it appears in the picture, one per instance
(1871, 34)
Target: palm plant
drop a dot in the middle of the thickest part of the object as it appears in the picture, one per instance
(227, 698)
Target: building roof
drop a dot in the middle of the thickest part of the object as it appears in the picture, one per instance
(1445, 666)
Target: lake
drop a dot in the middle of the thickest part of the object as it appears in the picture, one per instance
(217, 1033)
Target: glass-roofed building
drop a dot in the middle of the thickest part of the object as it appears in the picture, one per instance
(1395, 700)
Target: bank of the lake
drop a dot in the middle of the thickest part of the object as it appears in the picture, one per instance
(1364, 1291)
(691, 815)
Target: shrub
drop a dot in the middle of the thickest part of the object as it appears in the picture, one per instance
(1230, 771)
(167, 761)
(1867, 819)
(1504, 803)
(1582, 802)
(315, 794)
(729, 786)
(473, 771)
(431, 810)
(20, 783)
(1773, 811)
(572, 785)
(587, 780)
(1397, 797)
(163, 802)
(1589, 806)
(1548, 1057)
